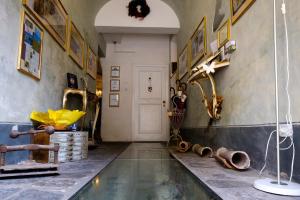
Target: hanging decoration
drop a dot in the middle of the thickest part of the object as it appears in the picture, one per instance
(138, 9)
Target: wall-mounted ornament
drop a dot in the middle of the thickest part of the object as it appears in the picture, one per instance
(183, 63)
(76, 46)
(31, 46)
(138, 9)
(114, 100)
(224, 34)
(150, 88)
(199, 42)
(53, 16)
(72, 81)
(91, 65)
(238, 8)
(115, 85)
(115, 72)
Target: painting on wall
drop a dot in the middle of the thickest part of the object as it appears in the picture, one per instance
(199, 42)
(115, 71)
(52, 16)
(183, 63)
(238, 8)
(76, 46)
(91, 66)
(31, 46)
(224, 34)
(219, 14)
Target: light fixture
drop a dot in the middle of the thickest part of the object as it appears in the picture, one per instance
(278, 186)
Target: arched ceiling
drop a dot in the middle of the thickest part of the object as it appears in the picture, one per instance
(163, 18)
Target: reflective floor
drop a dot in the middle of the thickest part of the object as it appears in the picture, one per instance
(144, 171)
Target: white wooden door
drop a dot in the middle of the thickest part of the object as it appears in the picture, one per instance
(150, 103)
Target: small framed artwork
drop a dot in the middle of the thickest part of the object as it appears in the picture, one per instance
(224, 34)
(72, 81)
(91, 65)
(114, 100)
(76, 46)
(238, 8)
(183, 63)
(198, 42)
(114, 85)
(31, 46)
(115, 72)
(53, 16)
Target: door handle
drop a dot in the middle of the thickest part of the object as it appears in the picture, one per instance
(164, 103)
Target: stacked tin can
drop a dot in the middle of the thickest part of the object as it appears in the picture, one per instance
(65, 141)
(80, 145)
(73, 146)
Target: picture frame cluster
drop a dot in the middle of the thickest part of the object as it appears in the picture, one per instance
(196, 48)
(51, 16)
(115, 84)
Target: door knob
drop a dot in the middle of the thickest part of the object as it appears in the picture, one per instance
(164, 103)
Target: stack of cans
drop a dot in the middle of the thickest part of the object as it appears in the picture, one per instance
(80, 145)
(73, 146)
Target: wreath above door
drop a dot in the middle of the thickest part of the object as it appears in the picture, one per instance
(138, 9)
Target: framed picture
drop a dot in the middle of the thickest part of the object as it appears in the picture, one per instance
(198, 42)
(224, 34)
(114, 85)
(31, 46)
(115, 72)
(114, 100)
(91, 65)
(238, 8)
(76, 46)
(53, 16)
(183, 63)
(72, 81)
(173, 69)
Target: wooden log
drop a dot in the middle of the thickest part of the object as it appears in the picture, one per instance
(184, 146)
(202, 151)
(237, 159)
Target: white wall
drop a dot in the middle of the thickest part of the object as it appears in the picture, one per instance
(132, 51)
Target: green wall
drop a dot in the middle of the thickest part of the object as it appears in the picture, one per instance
(20, 94)
(248, 84)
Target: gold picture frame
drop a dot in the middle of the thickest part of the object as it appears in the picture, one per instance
(198, 43)
(31, 46)
(238, 8)
(53, 16)
(76, 46)
(114, 100)
(91, 63)
(224, 33)
(183, 62)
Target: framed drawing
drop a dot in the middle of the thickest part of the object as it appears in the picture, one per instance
(224, 34)
(72, 81)
(238, 8)
(114, 100)
(114, 85)
(183, 63)
(76, 46)
(115, 72)
(91, 65)
(198, 42)
(53, 16)
(31, 47)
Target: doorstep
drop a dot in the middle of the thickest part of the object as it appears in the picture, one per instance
(73, 177)
(227, 184)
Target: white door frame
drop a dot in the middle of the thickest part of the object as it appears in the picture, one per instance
(134, 106)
